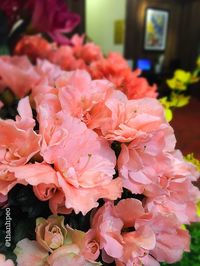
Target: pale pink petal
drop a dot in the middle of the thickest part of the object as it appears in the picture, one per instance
(4, 262)
(30, 251)
(125, 207)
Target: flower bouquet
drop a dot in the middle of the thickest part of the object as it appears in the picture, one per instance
(92, 170)
(89, 173)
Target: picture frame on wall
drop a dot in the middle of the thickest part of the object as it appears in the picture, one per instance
(156, 27)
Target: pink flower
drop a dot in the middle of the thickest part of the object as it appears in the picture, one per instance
(18, 141)
(173, 192)
(171, 240)
(64, 57)
(45, 191)
(64, 244)
(53, 17)
(131, 120)
(4, 262)
(34, 46)
(57, 203)
(111, 228)
(89, 52)
(81, 97)
(69, 255)
(33, 174)
(30, 251)
(91, 247)
(138, 87)
(18, 74)
(141, 162)
(115, 69)
(85, 168)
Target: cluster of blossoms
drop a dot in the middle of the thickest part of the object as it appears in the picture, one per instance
(88, 57)
(93, 148)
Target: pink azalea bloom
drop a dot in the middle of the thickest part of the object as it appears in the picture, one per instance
(89, 52)
(64, 57)
(45, 191)
(33, 174)
(140, 162)
(131, 120)
(85, 168)
(91, 247)
(57, 203)
(53, 17)
(48, 70)
(171, 240)
(23, 76)
(34, 46)
(138, 87)
(173, 191)
(111, 228)
(4, 262)
(18, 141)
(80, 96)
(115, 69)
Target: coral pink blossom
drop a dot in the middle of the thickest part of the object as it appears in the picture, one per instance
(137, 87)
(4, 262)
(85, 167)
(64, 57)
(57, 203)
(173, 192)
(18, 141)
(33, 174)
(111, 226)
(89, 52)
(140, 162)
(34, 46)
(91, 247)
(88, 56)
(133, 120)
(80, 96)
(115, 69)
(166, 229)
(23, 76)
(44, 191)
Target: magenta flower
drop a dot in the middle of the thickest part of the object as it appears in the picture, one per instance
(54, 18)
